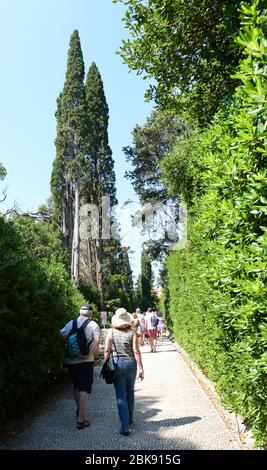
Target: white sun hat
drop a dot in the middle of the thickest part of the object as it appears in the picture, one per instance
(121, 318)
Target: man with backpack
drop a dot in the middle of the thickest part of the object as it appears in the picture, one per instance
(82, 341)
(152, 320)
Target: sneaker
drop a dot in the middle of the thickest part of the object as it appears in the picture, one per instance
(124, 433)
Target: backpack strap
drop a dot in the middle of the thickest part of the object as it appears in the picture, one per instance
(82, 327)
(85, 323)
(74, 324)
(112, 343)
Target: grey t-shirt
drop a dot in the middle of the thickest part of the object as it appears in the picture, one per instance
(122, 342)
(92, 330)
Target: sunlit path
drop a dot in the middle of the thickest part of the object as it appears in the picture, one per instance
(172, 412)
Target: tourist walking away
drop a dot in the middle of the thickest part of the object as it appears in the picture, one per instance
(83, 336)
(122, 343)
(160, 327)
(135, 322)
(151, 327)
(141, 327)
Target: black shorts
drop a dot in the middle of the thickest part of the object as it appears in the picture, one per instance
(82, 375)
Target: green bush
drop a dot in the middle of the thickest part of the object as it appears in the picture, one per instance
(36, 300)
(218, 283)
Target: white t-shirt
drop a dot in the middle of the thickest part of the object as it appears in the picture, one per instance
(142, 322)
(149, 315)
(91, 330)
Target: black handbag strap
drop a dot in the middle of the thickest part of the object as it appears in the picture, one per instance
(113, 342)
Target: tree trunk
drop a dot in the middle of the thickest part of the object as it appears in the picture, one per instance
(70, 218)
(99, 271)
(64, 222)
(90, 262)
(75, 258)
(87, 263)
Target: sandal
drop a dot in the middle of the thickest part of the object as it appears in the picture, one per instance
(83, 424)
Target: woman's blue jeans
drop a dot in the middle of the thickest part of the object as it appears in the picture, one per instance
(124, 387)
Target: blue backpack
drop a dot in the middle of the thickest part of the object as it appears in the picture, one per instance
(77, 343)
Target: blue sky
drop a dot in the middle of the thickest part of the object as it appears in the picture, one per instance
(34, 41)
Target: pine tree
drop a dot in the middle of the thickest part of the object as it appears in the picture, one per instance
(100, 177)
(69, 164)
(60, 186)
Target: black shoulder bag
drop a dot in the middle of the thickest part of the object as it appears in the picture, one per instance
(109, 367)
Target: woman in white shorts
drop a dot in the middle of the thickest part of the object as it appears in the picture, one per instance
(141, 327)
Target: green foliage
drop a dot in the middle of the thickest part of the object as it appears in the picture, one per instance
(150, 146)
(72, 132)
(36, 300)
(119, 283)
(218, 284)
(152, 142)
(144, 297)
(100, 177)
(71, 113)
(183, 167)
(187, 47)
(164, 307)
(42, 241)
(192, 311)
(2, 171)
(90, 293)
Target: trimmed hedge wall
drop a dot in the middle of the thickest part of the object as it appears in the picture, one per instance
(36, 299)
(218, 287)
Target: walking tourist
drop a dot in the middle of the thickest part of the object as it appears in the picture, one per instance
(81, 368)
(122, 342)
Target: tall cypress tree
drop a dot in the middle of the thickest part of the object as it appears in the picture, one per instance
(70, 143)
(100, 178)
(103, 175)
(60, 186)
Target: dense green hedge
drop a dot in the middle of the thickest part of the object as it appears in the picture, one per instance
(36, 299)
(218, 283)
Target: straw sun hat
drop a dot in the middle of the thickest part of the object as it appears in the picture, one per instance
(121, 318)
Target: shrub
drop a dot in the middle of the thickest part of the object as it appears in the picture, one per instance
(36, 299)
(218, 283)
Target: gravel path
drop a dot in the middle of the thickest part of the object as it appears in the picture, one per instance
(172, 412)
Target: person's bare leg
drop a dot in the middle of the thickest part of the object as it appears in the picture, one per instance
(154, 343)
(82, 406)
(151, 342)
(76, 395)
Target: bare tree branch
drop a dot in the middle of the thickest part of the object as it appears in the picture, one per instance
(33, 215)
(4, 194)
